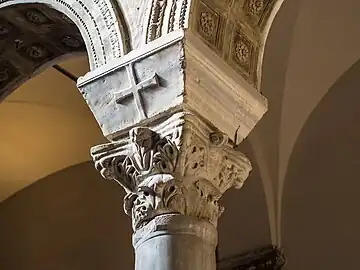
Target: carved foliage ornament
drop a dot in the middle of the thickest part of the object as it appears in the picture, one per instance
(258, 11)
(177, 167)
(256, 7)
(37, 17)
(166, 16)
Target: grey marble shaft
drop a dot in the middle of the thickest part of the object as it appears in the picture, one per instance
(175, 242)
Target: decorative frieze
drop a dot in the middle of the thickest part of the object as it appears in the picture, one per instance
(233, 30)
(165, 17)
(180, 165)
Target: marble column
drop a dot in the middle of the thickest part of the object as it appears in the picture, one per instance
(174, 172)
(174, 111)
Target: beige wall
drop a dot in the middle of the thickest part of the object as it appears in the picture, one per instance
(70, 220)
(74, 220)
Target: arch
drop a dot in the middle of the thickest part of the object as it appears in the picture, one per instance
(99, 22)
(36, 34)
(320, 221)
(273, 63)
(294, 87)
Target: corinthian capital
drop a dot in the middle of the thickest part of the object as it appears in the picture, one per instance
(178, 165)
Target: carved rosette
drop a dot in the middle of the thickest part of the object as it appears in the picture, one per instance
(181, 166)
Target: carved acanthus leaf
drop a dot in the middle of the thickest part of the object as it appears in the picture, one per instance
(181, 166)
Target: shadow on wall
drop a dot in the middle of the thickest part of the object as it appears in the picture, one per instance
(70, 220)
(273, 81)
(321, 219)
(245, 224)
(74, 220)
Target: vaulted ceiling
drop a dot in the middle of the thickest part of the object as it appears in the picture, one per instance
(46, 127)
(31, 36)
(306, 145)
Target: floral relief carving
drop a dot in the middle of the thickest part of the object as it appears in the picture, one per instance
(4, 75)
(258, 11)
(174, 169)
(4, 30)
(242, 51)
(256, 7)
(7, 73)
(243, 55)
(36, 51)
(36, 17)
(207, 23)
(71, 41)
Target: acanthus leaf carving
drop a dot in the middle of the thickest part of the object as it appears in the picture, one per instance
(178, 167)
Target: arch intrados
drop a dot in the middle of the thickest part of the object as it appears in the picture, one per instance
(98, 22)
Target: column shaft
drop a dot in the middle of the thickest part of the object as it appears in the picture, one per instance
(176, 242)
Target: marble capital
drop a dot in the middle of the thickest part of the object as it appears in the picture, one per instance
(179, 164)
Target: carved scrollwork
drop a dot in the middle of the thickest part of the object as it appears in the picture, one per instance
(180, 166)
(156, 19)
(175, 11)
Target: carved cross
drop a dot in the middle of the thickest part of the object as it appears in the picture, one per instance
(135, 89)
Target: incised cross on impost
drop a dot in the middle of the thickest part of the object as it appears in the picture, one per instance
(135, 89)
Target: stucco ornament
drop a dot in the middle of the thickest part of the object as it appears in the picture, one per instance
(178, 167)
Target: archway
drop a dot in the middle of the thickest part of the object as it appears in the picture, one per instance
(35, 35)
(320, 219)
(297, 73)
(47, 126)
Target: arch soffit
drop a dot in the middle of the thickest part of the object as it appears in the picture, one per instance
(237, 31)
(100, 23)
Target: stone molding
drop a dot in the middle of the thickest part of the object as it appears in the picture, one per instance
(181, 165)
(166, 16)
